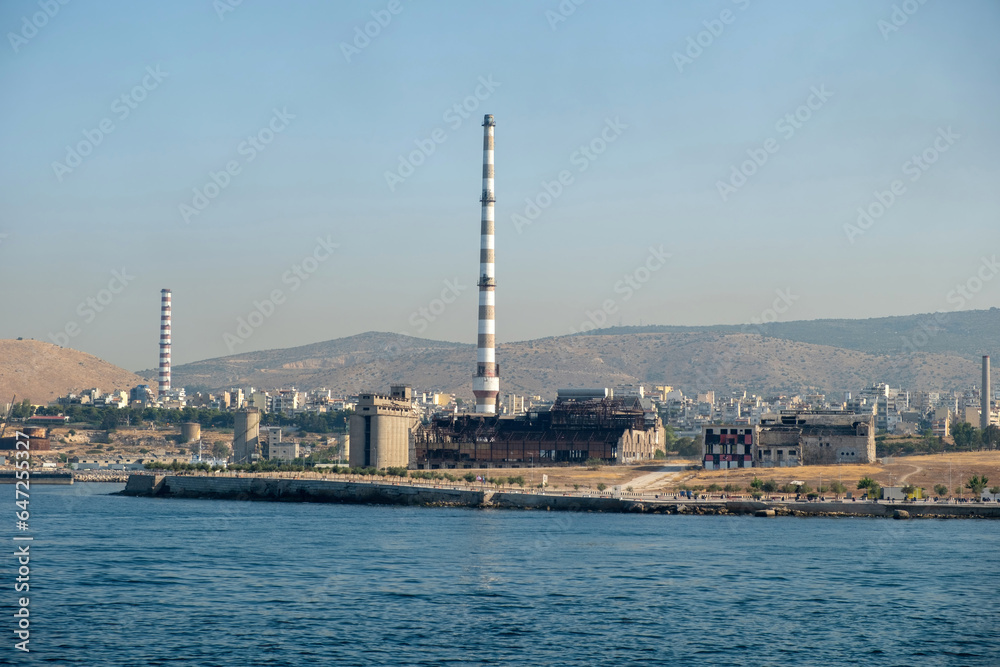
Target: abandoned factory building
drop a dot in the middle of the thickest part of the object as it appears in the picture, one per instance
(791, 438)
(582, 424)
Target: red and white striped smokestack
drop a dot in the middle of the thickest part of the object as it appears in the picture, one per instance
(164, 341)
(985, 395)
(486, 383)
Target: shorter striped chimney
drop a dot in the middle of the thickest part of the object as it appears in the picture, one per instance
(164, 384)
(985, 395)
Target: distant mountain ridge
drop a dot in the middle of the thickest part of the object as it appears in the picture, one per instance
(968, 333)
(786, 357)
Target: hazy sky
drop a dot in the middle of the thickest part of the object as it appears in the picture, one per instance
(115, 113)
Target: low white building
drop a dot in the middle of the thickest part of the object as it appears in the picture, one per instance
(284, 451)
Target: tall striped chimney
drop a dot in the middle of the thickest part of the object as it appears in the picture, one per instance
(164, 341)
(486, 383)
(984, 417)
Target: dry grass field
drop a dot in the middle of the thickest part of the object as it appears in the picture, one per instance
(924, 471)
(564, 478)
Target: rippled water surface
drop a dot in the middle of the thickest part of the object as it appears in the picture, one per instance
(139, 581)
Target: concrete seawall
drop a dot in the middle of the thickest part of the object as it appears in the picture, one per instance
(298, 490)
(381, 493)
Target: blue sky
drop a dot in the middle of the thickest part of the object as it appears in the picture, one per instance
(555, 85)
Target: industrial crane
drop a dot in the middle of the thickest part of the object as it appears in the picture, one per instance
(6, 419)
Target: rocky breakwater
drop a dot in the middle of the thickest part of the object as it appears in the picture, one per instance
(101, 476)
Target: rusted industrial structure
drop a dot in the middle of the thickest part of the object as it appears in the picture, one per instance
(36, 438)
(582, 424)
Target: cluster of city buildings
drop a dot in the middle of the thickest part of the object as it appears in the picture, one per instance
(429, 429)
(288, 401)
(253, 443)
(811, 430)
(895, 410)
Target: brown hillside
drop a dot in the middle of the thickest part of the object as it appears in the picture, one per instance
(41, 372)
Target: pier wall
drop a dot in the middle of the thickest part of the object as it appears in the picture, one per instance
(298, 490)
